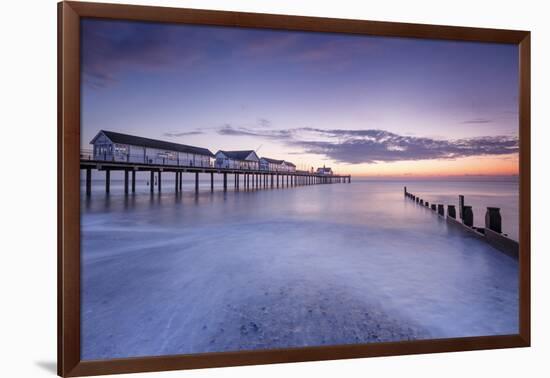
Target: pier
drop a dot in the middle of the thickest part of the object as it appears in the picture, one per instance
(491, 233)
(245, 179)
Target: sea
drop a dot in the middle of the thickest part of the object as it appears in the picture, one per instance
(183, 273)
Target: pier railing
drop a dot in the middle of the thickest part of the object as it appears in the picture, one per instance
(491, 233)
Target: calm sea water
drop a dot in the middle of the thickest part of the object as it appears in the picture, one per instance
(325, 264)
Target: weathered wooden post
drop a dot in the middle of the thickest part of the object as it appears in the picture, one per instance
(277, 180)
(196, 182)
(88, 181)
(160, 181)
(467, 216)
(225, 181)
(133, 181)
(427, 204)
(461, 206)
(151, 181)
(441, 210)
(176, 181)
(451, 211)
(421, 202)
(405, 191)
(433, 207)
(211, 181)
(181, 181)
(493, 220)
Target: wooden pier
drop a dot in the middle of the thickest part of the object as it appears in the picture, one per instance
(491, 233)
(242, 178)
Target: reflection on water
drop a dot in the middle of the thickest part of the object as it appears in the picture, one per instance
(327, 264)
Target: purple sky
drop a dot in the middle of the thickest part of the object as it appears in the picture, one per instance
(352, 102)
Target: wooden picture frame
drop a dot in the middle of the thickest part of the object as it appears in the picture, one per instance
(69, 16)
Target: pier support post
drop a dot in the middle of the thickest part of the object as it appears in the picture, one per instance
(451, 211)
(196, 182)
(181, 181)
(126, 186)
(88, 181)
(277, 180)
(493, 220)
(152, 181)
(225, 181)
(468, 216)
(176, 186)
(107, 181)
(133, 181)
(160, 181)
(441, 210)
(211, 181)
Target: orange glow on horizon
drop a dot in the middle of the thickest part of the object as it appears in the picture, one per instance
(504, 165)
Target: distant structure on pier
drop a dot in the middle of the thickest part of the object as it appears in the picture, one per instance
(237, 160)
(117, 147)
(273, 165)
(324, 171)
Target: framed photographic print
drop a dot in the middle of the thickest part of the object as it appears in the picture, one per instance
(239, 188)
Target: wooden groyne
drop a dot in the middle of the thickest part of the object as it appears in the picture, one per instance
(491, 233)
(245, 178)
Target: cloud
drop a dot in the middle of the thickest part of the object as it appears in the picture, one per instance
(228, 129)
(373, 145)
(183, 133)
(478, 120)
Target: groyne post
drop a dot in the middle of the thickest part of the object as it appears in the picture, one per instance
(467, 216)
(405, 191)
(441, 210)
(493, 220)
(433, 207)
(451, 211)
(461, 206)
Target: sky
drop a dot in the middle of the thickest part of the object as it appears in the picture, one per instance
(363, 105)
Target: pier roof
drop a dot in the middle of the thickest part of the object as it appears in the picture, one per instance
(273, 161)
(153, 143)
(238, 155)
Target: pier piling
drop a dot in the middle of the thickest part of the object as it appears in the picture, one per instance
(126, 186)
(152, 181)
(133, 181)
(196, 182)
(107, 181)
(88, 181)
(225, 181)
(160, 181)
